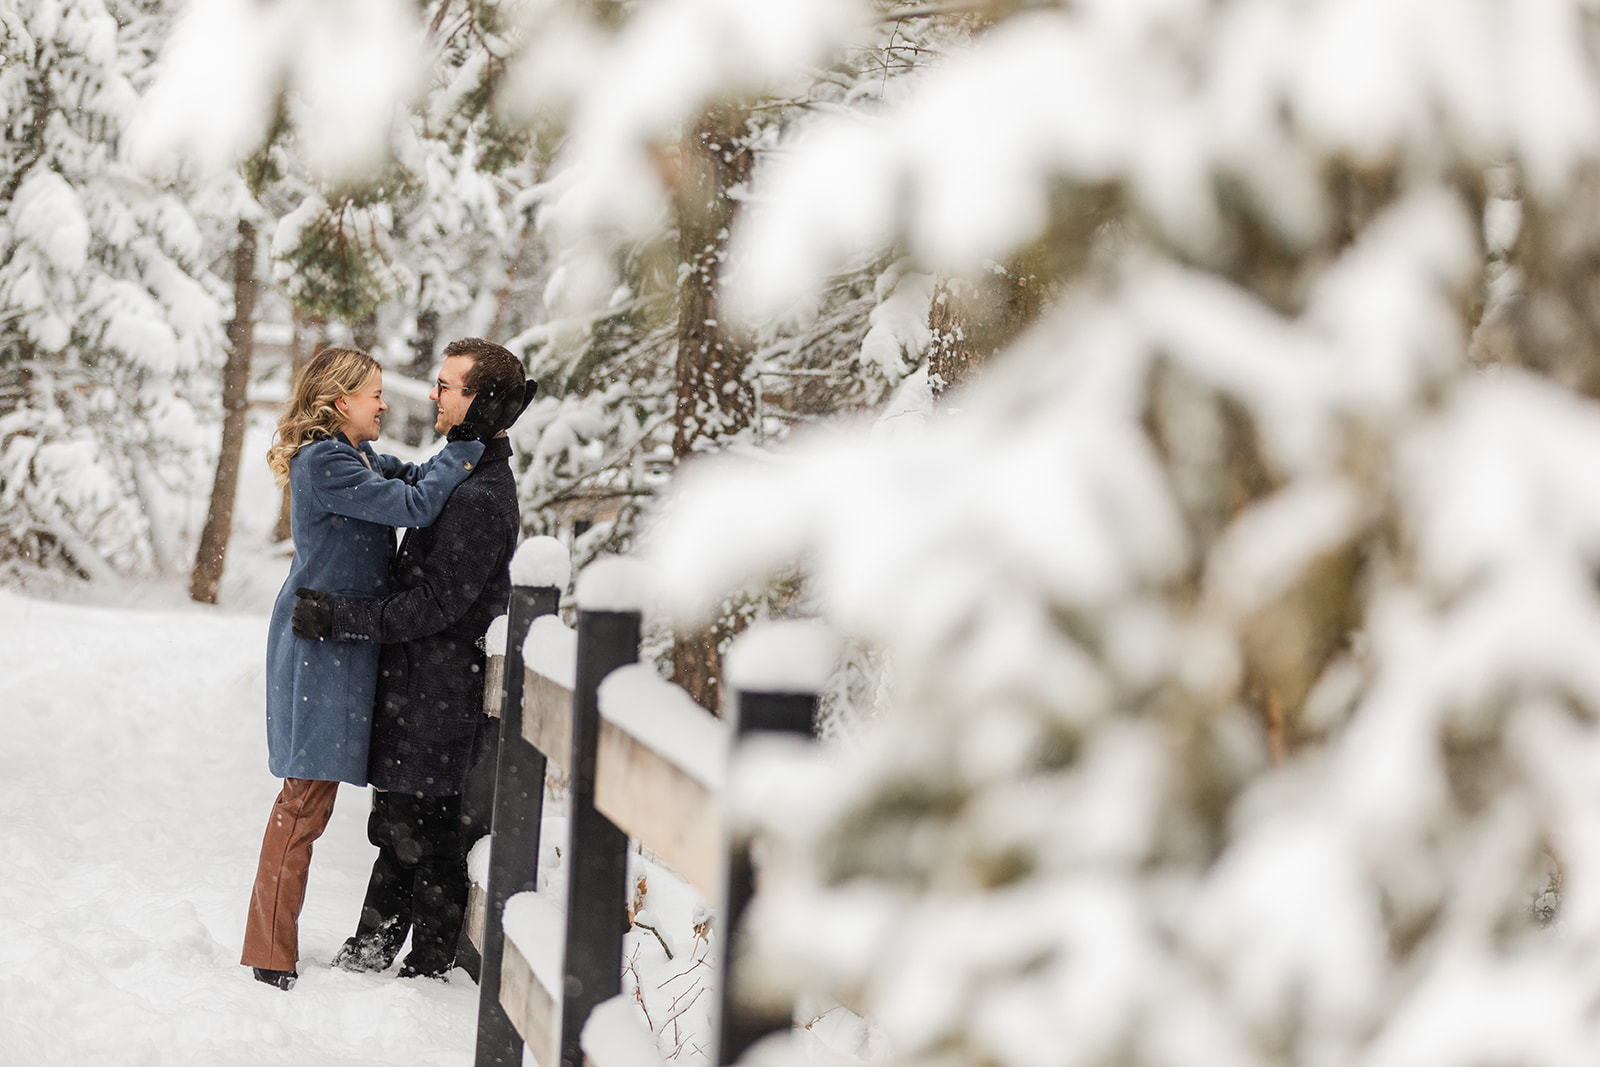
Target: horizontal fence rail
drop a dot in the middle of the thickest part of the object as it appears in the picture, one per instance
(659, 769)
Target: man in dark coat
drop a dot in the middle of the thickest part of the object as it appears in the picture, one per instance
(452, 579)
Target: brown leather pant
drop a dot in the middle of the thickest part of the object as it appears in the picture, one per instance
(299, 815)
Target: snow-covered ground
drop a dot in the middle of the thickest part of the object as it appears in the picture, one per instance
(133, 793)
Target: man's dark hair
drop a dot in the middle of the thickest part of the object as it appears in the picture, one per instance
(491, 364)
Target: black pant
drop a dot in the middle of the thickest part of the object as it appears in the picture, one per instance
(419, 881)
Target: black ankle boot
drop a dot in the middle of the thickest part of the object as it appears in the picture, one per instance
(412, 968)
(427, 960)
(282, 979)
(360, 954)
(371, 950)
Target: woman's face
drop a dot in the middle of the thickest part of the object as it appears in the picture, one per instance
(362, 409)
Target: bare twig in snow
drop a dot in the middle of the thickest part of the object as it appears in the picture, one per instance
(653, 930)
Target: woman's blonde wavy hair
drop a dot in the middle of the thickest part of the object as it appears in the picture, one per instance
(311, 414)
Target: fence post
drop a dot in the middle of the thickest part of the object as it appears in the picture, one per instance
(776, 669)
(477, 821)
(518, 797)
(597, 852)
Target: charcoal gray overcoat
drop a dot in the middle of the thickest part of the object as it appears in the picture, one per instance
(451, 579)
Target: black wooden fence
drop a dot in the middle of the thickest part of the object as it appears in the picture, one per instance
(620, 786)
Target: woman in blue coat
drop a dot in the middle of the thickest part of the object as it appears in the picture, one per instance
(344, 499)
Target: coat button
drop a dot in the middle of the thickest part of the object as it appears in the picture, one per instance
(466, 466)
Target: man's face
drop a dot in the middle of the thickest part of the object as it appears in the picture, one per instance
(447, 393)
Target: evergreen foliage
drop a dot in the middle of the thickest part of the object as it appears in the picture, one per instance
(1239, 625)
(337, 268)
(110, 315)
(1231, 628)
(600, 437)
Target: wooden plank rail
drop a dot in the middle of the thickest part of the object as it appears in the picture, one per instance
(531, 1007)
(644, 762)
(477, 903)
(547, 720)
(659, 771)
(667, 811)
(550, 660)
(530, 980)
(494, 680)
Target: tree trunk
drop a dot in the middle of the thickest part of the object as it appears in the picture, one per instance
(424, 345)
(715, 397)
(970, 322)
(207, 575)
(364, 332)
(952, 356)
(304, 344)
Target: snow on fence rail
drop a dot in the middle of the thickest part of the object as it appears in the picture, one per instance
(644, 761)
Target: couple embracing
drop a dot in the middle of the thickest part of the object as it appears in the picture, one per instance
(374, 667)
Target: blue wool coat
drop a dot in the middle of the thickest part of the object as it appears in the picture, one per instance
(320, 693)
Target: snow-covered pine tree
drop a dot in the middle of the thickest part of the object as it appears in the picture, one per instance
(1242, 464)
(1243, 481)
(640, 369)
(427, 242)
(390, 216)
(474, 267)
(110, 317)
(1264, 481)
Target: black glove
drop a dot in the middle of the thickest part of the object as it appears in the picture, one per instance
(313, 614)
(492, 410)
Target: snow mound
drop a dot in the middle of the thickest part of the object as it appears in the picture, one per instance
(541, 562)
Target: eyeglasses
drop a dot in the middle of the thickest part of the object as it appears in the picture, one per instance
(443, 386)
